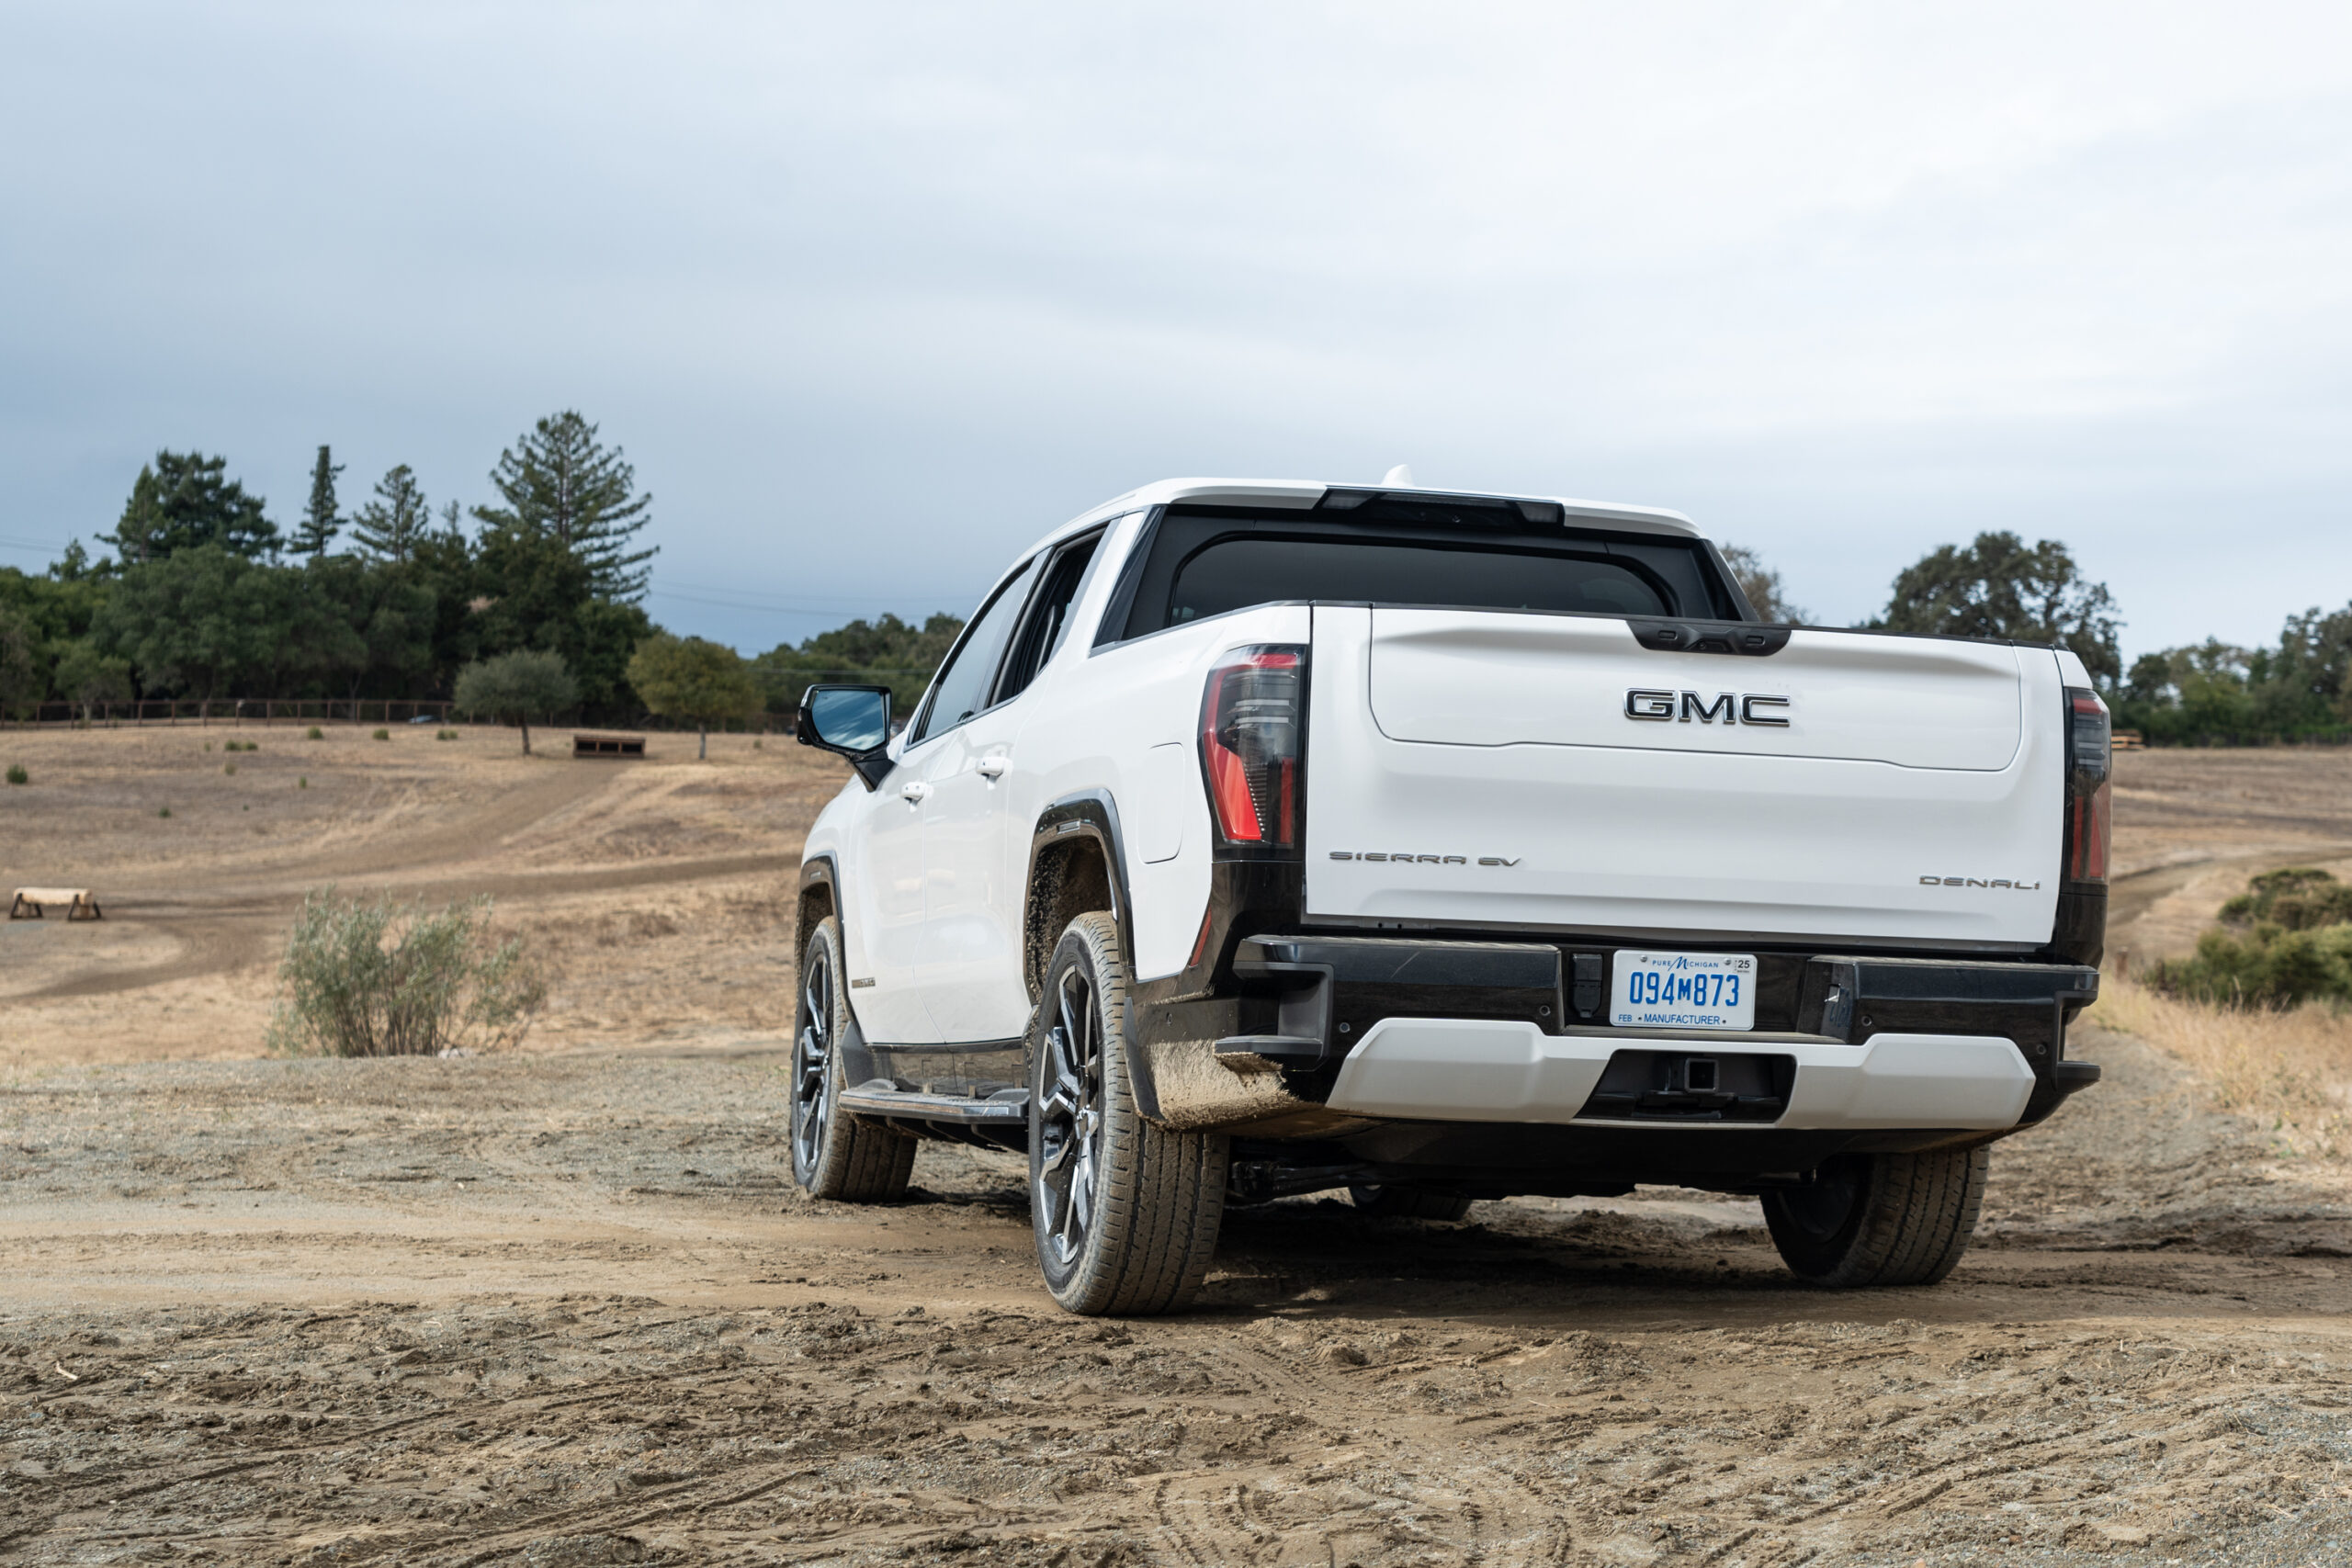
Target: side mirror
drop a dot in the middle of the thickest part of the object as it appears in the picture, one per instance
(853, 721)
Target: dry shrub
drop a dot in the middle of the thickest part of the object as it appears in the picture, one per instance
(382, 980)
(2291, 1071)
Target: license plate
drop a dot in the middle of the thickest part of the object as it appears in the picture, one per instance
(1683, 990)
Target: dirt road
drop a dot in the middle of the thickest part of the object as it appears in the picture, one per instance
(565, 1307)
(570, 1309)
(651, 886)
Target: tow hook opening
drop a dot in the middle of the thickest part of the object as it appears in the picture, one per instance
(1679, 1086)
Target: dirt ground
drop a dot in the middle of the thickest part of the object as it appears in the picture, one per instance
(651, 886)
(2191, 827)
(565, 1306)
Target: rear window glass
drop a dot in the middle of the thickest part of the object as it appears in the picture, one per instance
(1200, 561)
(1233, 574)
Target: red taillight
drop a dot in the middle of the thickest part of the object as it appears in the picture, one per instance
(2089, 789)
(1250, 717)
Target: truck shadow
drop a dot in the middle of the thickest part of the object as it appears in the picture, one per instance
(1320, 1258)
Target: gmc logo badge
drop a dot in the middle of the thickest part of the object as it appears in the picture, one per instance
(1660, 707)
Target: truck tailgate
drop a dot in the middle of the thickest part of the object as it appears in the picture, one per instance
(1486, 768)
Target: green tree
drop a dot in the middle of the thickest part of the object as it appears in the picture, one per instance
(56, 606)
(2216, 694)
(883, 652)
(531, 592)
(695, 679)
(388, 527)
(205, 619)
(385, 621)
(87, 677)
(183, 500)
(320, 518)
(1761, 584)
(558, 481)
(2001, 587)
(444, 563)
(22, 677)
(513, 686)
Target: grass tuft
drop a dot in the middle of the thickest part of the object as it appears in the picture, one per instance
(383, 735)
(444, 735)
(17, 773)
(315, 733)
(2290, 1069)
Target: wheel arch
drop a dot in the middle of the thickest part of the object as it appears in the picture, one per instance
(820, 897)
(1077, 862)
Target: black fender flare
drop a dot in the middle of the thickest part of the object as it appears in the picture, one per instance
(824, 870)
(1094, 814)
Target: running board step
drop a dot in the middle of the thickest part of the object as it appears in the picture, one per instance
(880, 1096)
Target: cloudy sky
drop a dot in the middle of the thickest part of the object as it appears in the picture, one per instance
(874, 294)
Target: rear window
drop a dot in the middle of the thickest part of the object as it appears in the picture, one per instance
(1208, 560)
(1235, 573)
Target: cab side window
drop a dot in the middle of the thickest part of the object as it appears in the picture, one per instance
(961, 689)
(1048, 619)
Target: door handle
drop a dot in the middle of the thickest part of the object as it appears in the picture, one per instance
(915, 794)
(991, 767)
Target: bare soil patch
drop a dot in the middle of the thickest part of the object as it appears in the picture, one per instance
(2192, 826)
(571, 1309)
(652, 886)
(567, 1307)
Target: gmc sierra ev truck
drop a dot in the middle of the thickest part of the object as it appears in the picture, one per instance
(1265, 838)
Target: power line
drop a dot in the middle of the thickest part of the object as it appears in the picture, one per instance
(835, 605)
(827, 598)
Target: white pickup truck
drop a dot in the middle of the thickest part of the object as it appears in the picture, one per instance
(1264, 838)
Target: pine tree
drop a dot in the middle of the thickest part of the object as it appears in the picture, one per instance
(558, 481)
(390, 527)
(185, 499)
(320, 522)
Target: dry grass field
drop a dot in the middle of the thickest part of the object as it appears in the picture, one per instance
(651, 886)
(563, 1306)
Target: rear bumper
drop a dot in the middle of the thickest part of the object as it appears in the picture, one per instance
(1323, 1032)
(1496, 1070)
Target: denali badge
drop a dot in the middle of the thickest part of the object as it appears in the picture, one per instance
(1645, 702)
(1978, 882)
(1424, 860)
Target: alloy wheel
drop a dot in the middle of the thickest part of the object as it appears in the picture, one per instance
(1070, 1119)
(811, 1067)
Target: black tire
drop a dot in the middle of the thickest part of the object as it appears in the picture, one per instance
(1409, 1203)
(1880, 1218)
(834, 1155)
(1126, 1212)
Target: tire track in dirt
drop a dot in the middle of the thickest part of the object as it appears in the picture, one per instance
(239, 927)
(2134, 894)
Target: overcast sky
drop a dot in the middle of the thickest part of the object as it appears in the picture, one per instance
(872, 295)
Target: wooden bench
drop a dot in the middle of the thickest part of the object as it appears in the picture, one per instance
(608, 745)
(31, 903)
(2128, 741)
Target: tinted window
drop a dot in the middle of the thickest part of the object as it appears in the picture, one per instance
(1198, 560)
(1048, 620)
(1234, 573)
(960, 689)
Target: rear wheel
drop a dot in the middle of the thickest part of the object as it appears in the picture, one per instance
(833, 1154)
(1880, 1218)
(1409, 1202)
(1126, 1212)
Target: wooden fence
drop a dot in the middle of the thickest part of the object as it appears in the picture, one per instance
(317, 710)
(231, 711)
